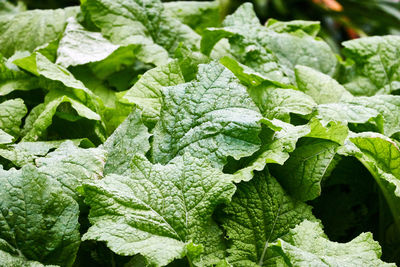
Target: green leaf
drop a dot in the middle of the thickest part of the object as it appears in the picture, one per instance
(55, 77)
(198, 15)
(375, 64)
(13, 259)
(335, 131)
(348, 113)
(146, 93)
(260, 212)
(266, 51)
(7, 8)
(280, 103)
(79, 46)
(11, 114)
(381, 156)
(321, 87)
(310, 27)
(38, 220)
(130, 138)
(5, 138)
(71, 166)
(242, 29)
(143, 23)
(307, 245)
(158, 211)
(31, 29)
(211, 117)
(26, 152)
(302, 173)
(388, 106)
(252, 78)
(12, 79)
(41, 116)
(277, 142)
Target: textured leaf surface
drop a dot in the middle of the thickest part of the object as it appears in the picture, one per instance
(71, 166)
(307, 245)
(321, 87)
(157, 210)
(5, 138)
(388, 106)
(130, 138)
(26, 152)
(280, 103)
(347, 112)
(277, 143)
(143, 23)
(376, 64)
(31, 29)
(211, 117)
(37, 220)
(267, 51)
(79, 46)
(381, 156)
(198, 15)
(146, 93)
(302, 173)
(260, 213)
(11, 114)
(41, 116)
(12, 79)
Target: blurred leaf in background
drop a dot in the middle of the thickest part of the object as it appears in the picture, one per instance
(341, 19)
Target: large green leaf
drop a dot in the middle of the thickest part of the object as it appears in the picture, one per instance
(302, 173)
(375, 64)
(387, 105)
(27, 152)
(38, 220)
(79, 46)
(12, 79)
(276, 144)
(211, 117)
(259, 214)
(143, 23)
(11, 114)
(40, 118)
(198, 15)
(31, 29)
(161, 212)
(321, 87)
(381, 156)
(146, 93)
(5, 138)
(269, 52)
(130, 138)
(307, 245)
(71, 166)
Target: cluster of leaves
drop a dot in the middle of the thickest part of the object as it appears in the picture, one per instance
(341, 19)
(137, 133)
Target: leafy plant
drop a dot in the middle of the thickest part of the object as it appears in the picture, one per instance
(142, 133)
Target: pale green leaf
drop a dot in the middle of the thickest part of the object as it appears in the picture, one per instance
(321, 87)
(130, 138)
(211, 117)
(146, 93)
(11, 114)
(307, 245)
(375, 64)
(276, 144)
(260, 212)
(158, 211)
(38, 219)
(31, 29)
(302, 173)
